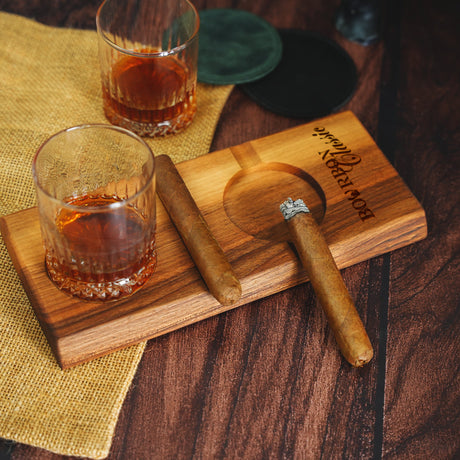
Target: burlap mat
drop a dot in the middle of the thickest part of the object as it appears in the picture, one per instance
(49, 80)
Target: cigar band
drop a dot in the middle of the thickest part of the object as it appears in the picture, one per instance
(291, 208)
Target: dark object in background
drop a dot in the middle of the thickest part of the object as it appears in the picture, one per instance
(359, 20)
(314, 77)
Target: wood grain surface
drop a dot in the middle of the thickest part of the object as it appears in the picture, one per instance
(265, 380)
(238, 190)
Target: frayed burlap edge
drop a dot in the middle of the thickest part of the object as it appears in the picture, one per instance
(50, 81)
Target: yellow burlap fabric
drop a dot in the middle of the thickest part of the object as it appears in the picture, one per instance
(49, 80)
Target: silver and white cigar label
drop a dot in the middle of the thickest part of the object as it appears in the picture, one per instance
(290, 208)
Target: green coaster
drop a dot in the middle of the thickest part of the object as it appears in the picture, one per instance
(236, 47)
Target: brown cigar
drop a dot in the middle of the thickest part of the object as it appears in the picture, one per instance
(205, 251)
(328, 283)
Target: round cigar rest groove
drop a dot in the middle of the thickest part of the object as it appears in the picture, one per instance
(252, 197)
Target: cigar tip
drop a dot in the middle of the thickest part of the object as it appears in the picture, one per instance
(231, 295)
(229, 291)
(363, 358)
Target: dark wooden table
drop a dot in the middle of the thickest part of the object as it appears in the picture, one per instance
(266, 380)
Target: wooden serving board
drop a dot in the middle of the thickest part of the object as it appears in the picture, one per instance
(333, 164)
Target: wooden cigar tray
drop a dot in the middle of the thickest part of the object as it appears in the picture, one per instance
(363, 206)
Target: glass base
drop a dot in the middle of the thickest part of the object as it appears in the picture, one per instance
(99, 291)
(161, 129)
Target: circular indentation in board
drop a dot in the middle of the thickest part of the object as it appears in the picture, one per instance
(236, 47)
(314, 77)
(253, 196)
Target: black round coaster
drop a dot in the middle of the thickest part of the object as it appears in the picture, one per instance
(314, 77)
(236, 47)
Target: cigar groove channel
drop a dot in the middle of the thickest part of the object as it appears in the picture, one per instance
(327, 283)
(204, 249)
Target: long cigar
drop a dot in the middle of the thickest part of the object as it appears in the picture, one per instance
(328, 283)
(205, 251)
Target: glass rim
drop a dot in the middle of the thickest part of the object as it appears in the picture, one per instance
(175, 50)
(101, 208)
